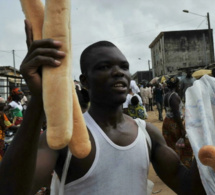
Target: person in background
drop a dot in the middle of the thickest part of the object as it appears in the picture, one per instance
(4, 125)
(128, 100)
(134, 87)
(158, 93)
(24, 103)
(150, 96)
(186, 82)
(15, 106)
(173, 128)
(136, 109)
(145, 96)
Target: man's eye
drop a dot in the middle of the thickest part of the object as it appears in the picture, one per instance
(104, 67)
(125, 66)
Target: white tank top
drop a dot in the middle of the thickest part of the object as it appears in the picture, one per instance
(116, 170)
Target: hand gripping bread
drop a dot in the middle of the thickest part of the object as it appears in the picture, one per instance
(34, 12)
(79, 145)
(207, 156)
(57, 138)
(56, 81)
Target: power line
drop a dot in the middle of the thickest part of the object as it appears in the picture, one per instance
(200, 24)
(6, 51)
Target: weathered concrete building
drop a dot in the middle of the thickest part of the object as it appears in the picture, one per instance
(9, 78)
(141, 76)
(174, 50)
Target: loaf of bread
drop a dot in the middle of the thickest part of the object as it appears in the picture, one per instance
(34, 12)
(79, 145)
(56, 81)
(207, 156)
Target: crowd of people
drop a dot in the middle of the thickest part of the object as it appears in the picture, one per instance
(122, 146)
(166, 96)
(11, 115)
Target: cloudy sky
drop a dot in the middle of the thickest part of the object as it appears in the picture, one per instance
(130, 24)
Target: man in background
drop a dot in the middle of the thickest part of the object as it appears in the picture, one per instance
(186, 82)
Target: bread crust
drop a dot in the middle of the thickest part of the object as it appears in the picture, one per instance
(207, 156)
(57, 80)
(34, 12)
(79, 145)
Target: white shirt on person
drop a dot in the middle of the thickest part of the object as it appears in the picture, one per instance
(133, 86)
(115, 170)
(128, 100)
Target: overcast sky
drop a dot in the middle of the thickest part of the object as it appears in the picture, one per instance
(130, 24)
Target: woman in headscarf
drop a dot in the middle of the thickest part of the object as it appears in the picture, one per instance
(15, 106)
(4, 124)
(173, 127)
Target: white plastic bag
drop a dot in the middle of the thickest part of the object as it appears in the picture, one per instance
(200, 124)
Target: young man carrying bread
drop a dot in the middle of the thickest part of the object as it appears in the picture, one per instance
(119, 159)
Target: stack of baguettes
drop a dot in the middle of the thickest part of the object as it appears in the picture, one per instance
(65, 123)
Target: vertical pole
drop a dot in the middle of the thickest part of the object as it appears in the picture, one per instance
(7, 87)
(14, 65)
(210, 40)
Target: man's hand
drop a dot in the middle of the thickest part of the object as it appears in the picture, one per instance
(40, 53)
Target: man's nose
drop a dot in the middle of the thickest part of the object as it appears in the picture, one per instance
(117, 71)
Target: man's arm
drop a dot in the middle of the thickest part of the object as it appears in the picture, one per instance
(175, 106)
(19, 163)
(45, 164)
(169, 168)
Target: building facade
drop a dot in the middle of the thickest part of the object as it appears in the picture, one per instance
(175, 50)
(10, 78)
(142, 76)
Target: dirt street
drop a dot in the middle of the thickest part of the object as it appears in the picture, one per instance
(159, 188)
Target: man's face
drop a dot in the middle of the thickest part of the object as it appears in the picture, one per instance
(108, 76)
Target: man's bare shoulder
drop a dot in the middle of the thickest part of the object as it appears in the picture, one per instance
(129, 120)
(155, 134)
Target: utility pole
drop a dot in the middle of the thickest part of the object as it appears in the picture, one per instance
(210, 39)
(211, 48)
(14, 66)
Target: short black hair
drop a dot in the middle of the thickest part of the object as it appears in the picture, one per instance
(87, 51)
(134, 100)
(172, 82)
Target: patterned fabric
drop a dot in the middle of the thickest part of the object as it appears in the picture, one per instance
(16, 91)
(7, 122)
(171, 132)
(137, 111)
(17, 120)
(200, 126)
(16, 112)
(2, 135)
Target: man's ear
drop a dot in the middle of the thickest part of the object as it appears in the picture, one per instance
(84, 81)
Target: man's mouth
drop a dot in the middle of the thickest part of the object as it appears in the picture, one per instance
(119, 85)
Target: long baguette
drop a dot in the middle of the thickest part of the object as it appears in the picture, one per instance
(79, 145)
(56, 81)
(34, 12)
